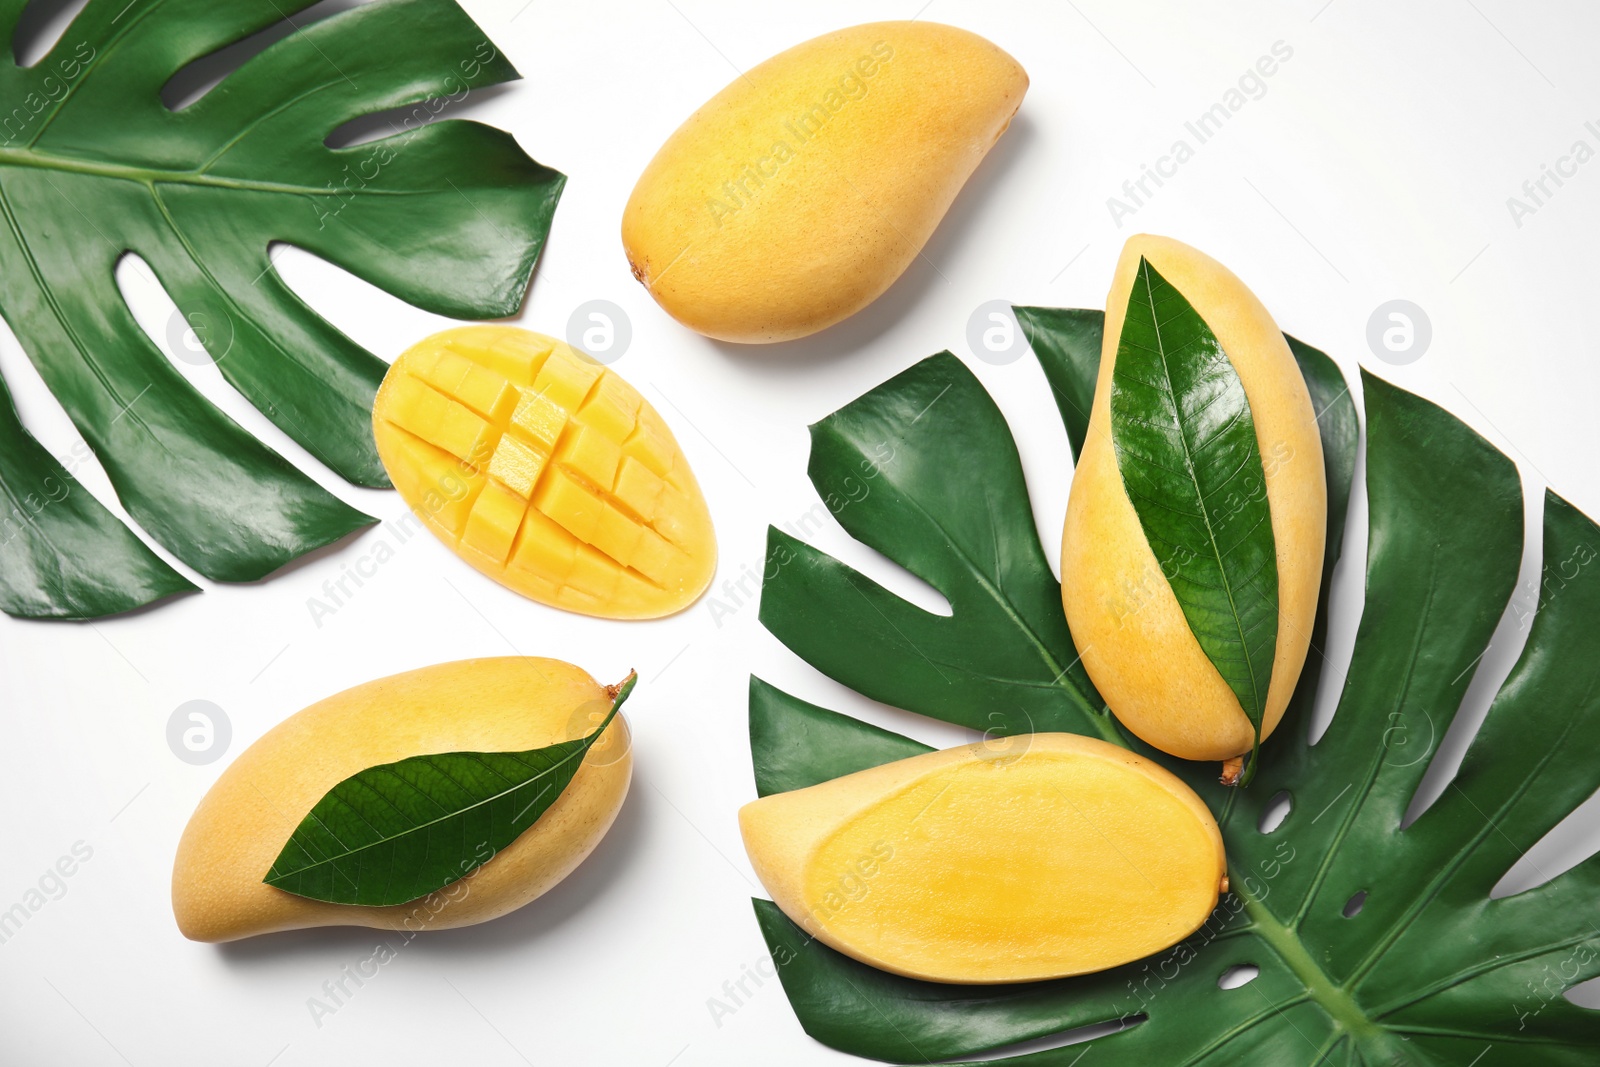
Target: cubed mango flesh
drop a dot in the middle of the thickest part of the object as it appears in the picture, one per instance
(546, 471)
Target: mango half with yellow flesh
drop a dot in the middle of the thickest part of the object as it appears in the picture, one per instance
(1143, 657)
(799, 193)
(1059, 855)
(506, 704)
(546, 471)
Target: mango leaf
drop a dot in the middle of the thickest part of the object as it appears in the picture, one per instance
(448, 215)
(1186, 448)
(1374, 942)
(402, 830)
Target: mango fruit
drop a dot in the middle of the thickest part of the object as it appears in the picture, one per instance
(1128, 625)
(1052, 856)
(508, 704)
(546, 471)
(794, 197)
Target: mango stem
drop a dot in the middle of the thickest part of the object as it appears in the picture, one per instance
(1232, 770)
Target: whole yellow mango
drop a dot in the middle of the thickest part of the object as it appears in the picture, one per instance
(509, 704)
(1128, 625)
(1054, 856)
(546, 471)
(800, 192)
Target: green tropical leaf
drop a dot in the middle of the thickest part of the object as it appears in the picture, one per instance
(885, 466)
(448, 215)
(1067, 342)
(796, 744)
(1186, 447)
(398, 831)
(62, 554)
(1428, 969)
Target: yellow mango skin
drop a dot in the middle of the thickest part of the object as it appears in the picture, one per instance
(546, 471)
(1125, 620)
(507, 704)
(744, 240)
(978, 866)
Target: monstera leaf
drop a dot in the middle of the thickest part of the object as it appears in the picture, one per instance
(448, 215)
(886, 466)
(1374, 943)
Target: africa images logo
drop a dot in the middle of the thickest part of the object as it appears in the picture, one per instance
(744, 188)
(1251, 85)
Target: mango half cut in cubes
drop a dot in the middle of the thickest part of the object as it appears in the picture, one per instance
(546, 471)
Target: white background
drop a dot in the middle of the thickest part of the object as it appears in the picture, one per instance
(1376, 166)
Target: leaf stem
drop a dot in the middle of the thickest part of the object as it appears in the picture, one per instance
(1329, 995)
(618, 692)
(151, 176)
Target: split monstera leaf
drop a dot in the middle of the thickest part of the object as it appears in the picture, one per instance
(1374, 941)
(450, 216)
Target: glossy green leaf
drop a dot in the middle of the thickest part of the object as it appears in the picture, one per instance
(55, 540)
(1190, 461)
(448, 215)
(796, 744)
(1429, 970)
(401, 830)
(887, 467)
(1067, 342)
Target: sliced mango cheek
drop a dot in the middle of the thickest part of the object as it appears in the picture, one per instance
(990, 871)
(546, 471)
